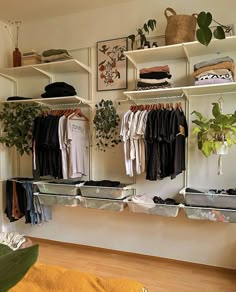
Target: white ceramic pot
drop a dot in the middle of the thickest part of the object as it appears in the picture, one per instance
(224, 149)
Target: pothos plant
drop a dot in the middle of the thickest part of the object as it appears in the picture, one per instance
(212, 133)
(204, 33)
(147, 27)
(16, 125)
(106, 122)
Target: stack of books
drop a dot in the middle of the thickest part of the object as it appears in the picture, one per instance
(30, 57)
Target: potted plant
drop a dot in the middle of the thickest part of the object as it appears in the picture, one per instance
(216, 134)
(106, 122)
(17, 121)
(204, 33)
(149, 25)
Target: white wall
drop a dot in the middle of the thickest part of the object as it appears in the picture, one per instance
(178, 238)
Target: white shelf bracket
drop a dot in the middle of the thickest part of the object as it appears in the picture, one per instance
(50, 76)
(13, 80)
(132, 61)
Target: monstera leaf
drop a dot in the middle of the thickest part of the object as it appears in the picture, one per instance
(15, 264)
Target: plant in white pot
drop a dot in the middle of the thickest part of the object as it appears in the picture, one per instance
(217, 134)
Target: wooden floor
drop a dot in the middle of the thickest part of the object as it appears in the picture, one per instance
(155, 273)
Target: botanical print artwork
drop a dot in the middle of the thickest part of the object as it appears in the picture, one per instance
(112, 64)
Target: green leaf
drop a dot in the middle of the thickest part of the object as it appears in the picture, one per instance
(199, 115)
(207, 148)
(204, 19)
(145, 27)
(219, 33)
(15, 264)
(204, 36)
(195, 130)
(140, 32)
(216, 109)
(201, 124)
(151, 24)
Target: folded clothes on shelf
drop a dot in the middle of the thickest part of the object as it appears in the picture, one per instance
(215, 71)
(157, 77)
(102, 183)
(17, 98)
(57, 89)
(55, 55)
(164, 68)
(212, 62)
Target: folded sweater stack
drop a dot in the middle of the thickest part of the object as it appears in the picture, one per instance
(53, 55)
(215, 71)
(154, 78)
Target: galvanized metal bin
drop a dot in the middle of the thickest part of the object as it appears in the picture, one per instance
(207, 199)
(58, 188)
(120, 192)
(103, 204)
(154, 209)
(217, 215)
(57, 200)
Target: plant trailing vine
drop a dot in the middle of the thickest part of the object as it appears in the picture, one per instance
(204, 33)
(16, 121)
(106, 122)
(147, 26)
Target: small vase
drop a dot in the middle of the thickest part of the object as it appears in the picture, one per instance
(16, 58)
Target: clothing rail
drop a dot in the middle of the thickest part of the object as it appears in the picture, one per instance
(151, 99)
(63, 106)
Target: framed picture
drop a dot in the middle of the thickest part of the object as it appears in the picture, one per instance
(111, 64)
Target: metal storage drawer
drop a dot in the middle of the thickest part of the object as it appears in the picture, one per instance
(107, 192)
(218, 215)
(57, 200)
(58, 189)
(207, 199)
(103, 204)
(158, 209)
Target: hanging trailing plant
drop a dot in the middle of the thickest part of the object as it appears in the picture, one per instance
(204, 33)
(106, 122)
(17, 120)
(214, 132)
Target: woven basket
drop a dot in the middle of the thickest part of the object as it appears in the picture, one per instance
(180, 28)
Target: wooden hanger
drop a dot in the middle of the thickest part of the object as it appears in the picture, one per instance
(78, 112)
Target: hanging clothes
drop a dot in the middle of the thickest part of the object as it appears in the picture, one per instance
(20, 202)
(154, 140)
(77, 141)
(61, 144)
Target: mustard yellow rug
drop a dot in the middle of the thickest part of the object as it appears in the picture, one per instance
(43, 278)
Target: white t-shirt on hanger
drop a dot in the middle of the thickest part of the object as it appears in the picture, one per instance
(64, 154)
(77, 140)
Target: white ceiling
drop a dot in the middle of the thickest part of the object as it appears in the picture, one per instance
(32, 9)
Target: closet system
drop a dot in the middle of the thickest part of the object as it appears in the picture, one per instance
(159, 141)
(154, 137)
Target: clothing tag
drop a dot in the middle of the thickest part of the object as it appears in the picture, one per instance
(181, 131)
